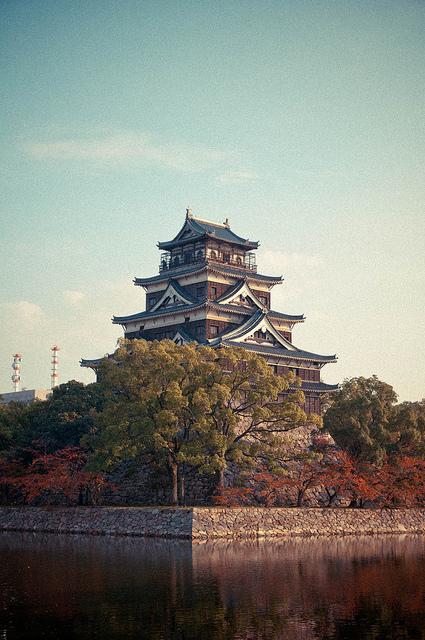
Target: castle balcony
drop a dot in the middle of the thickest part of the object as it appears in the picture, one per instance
(171, 263)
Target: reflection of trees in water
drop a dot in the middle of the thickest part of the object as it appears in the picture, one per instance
(313, 588)
(72, 586)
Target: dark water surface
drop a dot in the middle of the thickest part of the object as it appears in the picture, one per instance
(63, 587)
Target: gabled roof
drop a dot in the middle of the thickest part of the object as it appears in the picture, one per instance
(187, 337)
(197, 228)
(174, 289)
(214, 268)
(257, 322)
(241, 288)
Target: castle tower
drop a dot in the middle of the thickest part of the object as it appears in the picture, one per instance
(208, 290)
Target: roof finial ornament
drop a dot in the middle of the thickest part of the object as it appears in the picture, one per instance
(226, 223)
(188, 212)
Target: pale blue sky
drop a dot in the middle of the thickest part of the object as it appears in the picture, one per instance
(302, 122)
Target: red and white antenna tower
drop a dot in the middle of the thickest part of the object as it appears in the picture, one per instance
(16, 366)
(54, 376)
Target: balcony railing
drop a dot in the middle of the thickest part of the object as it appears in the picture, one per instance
(177, 262)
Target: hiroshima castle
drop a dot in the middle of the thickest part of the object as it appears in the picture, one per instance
(208, 291)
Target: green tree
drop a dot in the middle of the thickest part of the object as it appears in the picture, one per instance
(158, 410)
(360, 418)
(250, 409)
(63, 419)
(408, 426)
(189, 406)
(10, 423)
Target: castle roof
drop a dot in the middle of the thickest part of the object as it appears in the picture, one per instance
(212, 304)
(286, 316)
(159, 312)
(90, 364)
(319, 386)
(272, 350)
(220, 269)
(195, 229)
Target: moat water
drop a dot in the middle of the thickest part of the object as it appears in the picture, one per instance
(62, 587)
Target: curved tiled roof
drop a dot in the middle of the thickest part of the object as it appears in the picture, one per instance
(207, 266)
(319, 386)
(272, 350)
(212, 304)
(242, 273)
(286, 316)
(204, 228)
(91, 364)
(160, 312)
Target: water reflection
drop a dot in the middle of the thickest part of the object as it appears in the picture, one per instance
(81, 587)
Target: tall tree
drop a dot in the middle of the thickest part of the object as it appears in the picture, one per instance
(251, 408)
(408, 426)
(158, 409)
(192, 406)
(360, 418)
(62, 419)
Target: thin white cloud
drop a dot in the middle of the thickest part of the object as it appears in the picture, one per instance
(236, 177)
(73, 297)
(22, 314)
(117, 149)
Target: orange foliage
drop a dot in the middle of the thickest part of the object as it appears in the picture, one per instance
(59, 473)
(232, 497)
(343, 477)
(401, 482)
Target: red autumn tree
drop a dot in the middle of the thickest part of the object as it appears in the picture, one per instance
(232, 496)
(401, 482)
(57, 474)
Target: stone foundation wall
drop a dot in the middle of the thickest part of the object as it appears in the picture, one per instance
(125, 521)
(149, 487)
(212, 522)
(255, 522)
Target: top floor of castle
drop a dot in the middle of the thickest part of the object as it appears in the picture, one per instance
(202, 242)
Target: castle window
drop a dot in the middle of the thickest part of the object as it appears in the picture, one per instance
(186, 319)
(213, 255)
(263, 300)
(213, 292)
(214, 330)
(238, 260)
